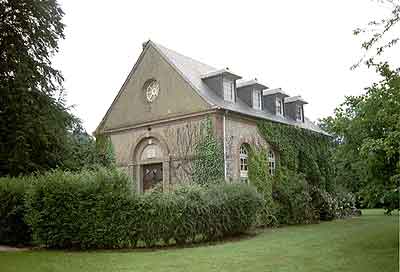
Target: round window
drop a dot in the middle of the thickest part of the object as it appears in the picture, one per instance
(152, 89)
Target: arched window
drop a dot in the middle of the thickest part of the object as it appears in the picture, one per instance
(243, 155)
(271, 162)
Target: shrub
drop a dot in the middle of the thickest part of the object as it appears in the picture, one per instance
(292, 196)
(194, 213)
(325, 203)
(13, 229)
(85, 209)
(99, 210)
(334, 205)
(345, 204)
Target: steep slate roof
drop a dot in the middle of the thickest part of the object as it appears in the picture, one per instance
(193, 71)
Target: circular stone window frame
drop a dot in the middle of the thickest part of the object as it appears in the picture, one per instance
(146, 85)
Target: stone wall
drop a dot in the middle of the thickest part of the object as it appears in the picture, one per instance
(177, 137)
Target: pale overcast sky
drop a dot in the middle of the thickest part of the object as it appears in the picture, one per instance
(305, 47)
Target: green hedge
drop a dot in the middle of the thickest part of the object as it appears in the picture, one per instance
(13, 229)
(84, 209)
(99, 210)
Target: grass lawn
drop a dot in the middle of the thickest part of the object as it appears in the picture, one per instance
(367, 243)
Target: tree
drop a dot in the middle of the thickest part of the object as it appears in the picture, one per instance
(367, 127)
(87, 152)
(367, 131)
(34, 119)
(378, 35)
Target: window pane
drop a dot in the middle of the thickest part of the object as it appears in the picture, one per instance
(299, 113)
(243, 155)
(257, 99)
(228, 87)
(271, 162)
(279, 106)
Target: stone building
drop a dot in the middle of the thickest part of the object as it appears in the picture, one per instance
(156, 117)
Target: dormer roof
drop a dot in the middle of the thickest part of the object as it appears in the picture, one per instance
(275, 91)
(297, 98)
(253, 83)
(224, 71)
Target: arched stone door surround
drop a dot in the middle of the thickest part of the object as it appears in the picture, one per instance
(150, 150)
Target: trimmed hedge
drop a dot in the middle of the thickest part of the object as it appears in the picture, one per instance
(99, 210)
(13, 229)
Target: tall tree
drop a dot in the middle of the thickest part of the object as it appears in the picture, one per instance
(367, 127)
(34, 119)
(367, 130)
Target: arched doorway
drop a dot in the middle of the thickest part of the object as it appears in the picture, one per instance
(151, 163)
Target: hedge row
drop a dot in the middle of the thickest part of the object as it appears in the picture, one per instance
(13, 229)
(98, 210)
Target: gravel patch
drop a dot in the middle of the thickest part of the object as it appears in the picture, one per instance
(9, 248)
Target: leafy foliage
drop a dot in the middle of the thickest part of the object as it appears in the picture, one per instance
(33, 116)
(367, 130)
(13, 229)
(208, 164)
(87, 152)
(302, 151)
(294, 202)
(198, 213)
(85, 208)
(303, 189)
(259, 177)
(99, 209)
(377, 31)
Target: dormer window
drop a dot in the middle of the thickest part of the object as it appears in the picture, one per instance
(299, 113)
(257, 99)
(279, 106)
(294, 108)
(229, 90)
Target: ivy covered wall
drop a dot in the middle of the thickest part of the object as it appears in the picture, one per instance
(303, 189)
(301, 151)
(208, 163)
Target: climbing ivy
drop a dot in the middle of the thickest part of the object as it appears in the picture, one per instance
(303, 188)
(302, 151)
(208, 164)
(260, 178)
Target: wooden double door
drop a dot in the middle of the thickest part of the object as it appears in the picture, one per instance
(152, 175)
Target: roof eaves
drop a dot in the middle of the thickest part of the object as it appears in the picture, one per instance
(220, 72)
(252, 82)
(297, 98)
(275, 91)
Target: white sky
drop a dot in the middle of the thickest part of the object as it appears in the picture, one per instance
(306, 47)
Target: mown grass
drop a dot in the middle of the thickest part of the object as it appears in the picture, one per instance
(366, 243)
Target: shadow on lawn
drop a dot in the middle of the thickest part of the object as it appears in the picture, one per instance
(230, 239)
